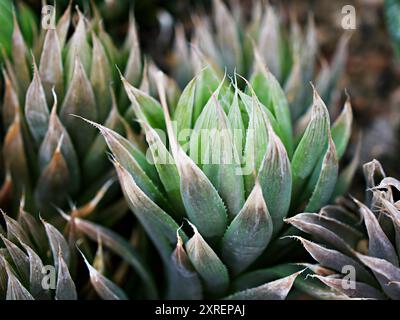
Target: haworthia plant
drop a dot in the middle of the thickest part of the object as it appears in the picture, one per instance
(236, 172)
(358, 261)
(48, 154)
(228, 40)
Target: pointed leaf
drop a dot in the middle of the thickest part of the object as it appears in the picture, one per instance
(210, 268)
(248, 234)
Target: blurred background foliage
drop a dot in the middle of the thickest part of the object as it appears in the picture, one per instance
(372, 71)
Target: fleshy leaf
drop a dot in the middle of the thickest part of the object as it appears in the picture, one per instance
(341, 129)
(51, 69)
(36, 275)
(326, 181)
(276, 180)
(275, 290)
(100, 78)
(78, 49)
(36, 110)
(270, 93)
(15, 289)
(379, 245)
(159, 225)
(119, 246)
(213, 139)
(350, 288)
(105, 288)
(19, 54)
(145, 104)
(248, 234)
(10, 102)
(65, 288)
(311, 145)
(336, 260)
(184, 111)
(133, 162)
(133, 71)
(19, 258)
(79, 100)
(166, 169)
(184, 282)
(337, 234)
(203, 205)
(210, 268)
(51, 141)
(58, 244)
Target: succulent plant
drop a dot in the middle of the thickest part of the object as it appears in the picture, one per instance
(234, 170)
(227, 41)
(27, 22)
(356, 245)
(211, 194)
(38, 262)
(47, 153)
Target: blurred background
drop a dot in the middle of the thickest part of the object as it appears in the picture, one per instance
(372, 70)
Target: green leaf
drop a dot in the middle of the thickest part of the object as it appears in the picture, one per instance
(248, 234)
(19, 53)
(270, 42)
(270, 93)
(203, 205)
(96, 161)
(80, 101)
(326, 181)
(213, 139)
(210, 268)
(63, 25)
(256, 143)
(36, 109)
(207, 82)
(101, 77)
(55, 133)
(184, 111)
(28, 22)
(341, 129)
(237, 125)
(275, 178)
(227, 36)
(133, 70)
(134, 162)
(327, 79)
(6, 21)
(166, 169)
(78, 49)
(184, 282)
(159, 225)
(144, 104)
(311, 145)
(51, 68)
